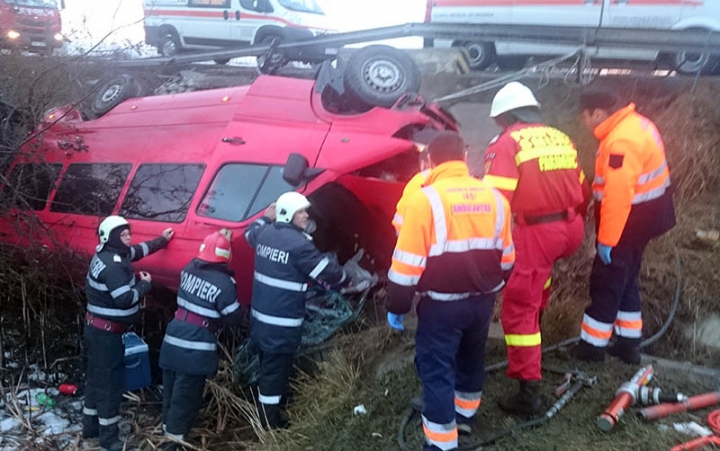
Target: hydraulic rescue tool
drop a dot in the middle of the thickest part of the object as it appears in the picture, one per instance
(692, 403)
(648, 396)
(625, 396)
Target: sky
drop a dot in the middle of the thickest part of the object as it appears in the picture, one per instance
(90, 20)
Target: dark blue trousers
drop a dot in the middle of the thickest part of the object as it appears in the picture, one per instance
(450, 354)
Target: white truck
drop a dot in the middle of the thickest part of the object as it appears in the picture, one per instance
(635, 14)
(175, 25)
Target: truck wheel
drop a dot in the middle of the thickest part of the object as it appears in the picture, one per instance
(378, 75)
(114, 92)
(480, 54)
(221, 61)
(169, 44)
(271, 62)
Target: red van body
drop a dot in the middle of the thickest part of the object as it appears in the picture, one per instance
(201, 161)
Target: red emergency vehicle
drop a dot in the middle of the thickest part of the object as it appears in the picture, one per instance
(30, 25)
(202, 161)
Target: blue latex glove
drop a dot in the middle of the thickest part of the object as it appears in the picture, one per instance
(395, 321)
(604, 253)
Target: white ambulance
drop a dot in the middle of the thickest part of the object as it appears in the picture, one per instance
(175, 25)
(657, 14)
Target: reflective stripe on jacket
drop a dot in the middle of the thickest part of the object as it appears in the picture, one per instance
(413, 186)
(536, 168)
(630, 170)
(455, 241)
(206, 289)
(110, 287)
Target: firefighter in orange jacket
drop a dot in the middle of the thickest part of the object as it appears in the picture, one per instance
(455, 247)
(634, 204)
(412, 187)
(536, 168)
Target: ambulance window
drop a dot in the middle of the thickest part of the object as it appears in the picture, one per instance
(162, 192)
(90, 189)
(210, 3)
(29, 185)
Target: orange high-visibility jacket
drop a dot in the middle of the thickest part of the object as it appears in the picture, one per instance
(412, 187)
(630, 171)
(455, 241)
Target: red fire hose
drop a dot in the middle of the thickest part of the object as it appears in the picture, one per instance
(713, 420)
(693, 403)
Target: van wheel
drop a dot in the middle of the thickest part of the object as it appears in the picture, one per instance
(169, 44)
(480, 54)
(691, 63)
(272, 61)
(378, 75)
(114, 92)
(222, 61)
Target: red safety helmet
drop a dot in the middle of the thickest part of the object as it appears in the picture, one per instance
(215, 247)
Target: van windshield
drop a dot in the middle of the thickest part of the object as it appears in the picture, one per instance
(306, 6)
(36, 3)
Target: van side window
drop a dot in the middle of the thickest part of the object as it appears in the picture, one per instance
(240, 191)
(90, 189)
(162, 192)
(29, 185)
(209, 3)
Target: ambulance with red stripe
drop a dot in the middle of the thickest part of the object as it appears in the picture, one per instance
(176, 25)
(655, 14)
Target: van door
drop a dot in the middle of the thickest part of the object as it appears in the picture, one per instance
(661, 14)
(207, 23)
(573, 13)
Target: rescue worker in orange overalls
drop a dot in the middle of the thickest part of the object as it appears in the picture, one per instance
(412, 187)
(455, 248)
(536, 168)
(633, 196)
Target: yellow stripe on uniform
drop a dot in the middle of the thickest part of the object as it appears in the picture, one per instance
(523, 340)
(532, 154)
(548, 283)
(503, 183)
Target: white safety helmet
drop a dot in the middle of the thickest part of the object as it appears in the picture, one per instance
(288, 204)
(108, 225)
(512, 96)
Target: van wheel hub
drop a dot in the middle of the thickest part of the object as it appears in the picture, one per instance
(111, 93)
(383, 75)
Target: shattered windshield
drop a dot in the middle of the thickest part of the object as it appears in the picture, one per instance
(305, 6)
(36, 3)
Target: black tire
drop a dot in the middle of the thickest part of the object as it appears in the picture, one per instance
(270, 64)
(692, 63)
(378, 75)
(480, 55)
(114, 92)
(221, 61)
(169, 44)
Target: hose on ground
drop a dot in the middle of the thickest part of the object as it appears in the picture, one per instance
(478, 444)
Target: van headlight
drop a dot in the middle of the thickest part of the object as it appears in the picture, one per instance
(58, 37)
(12, 34)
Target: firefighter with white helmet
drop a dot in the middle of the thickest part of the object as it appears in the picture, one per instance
(113, 297)
(206, 299)
(285, 261)
(536, 168)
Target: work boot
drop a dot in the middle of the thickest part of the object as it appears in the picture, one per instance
(417, 404)
(116, 445)
(270, 417)
(586, 352)
(626, 349)
(525, 402)
(464, 428)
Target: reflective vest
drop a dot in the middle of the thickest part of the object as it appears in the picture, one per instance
(455, 241)
(632, 179)
(536, 169)
(412, 187)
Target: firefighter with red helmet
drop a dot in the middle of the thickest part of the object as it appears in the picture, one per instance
(113, 297)
(206, 299)
(285, 261)
(633, 205)
(536, 168)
